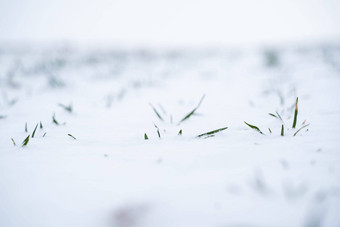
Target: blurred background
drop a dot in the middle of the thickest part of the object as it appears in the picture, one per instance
(170, 23)
(102, 76)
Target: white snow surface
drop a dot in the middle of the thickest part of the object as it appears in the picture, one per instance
(111, 177)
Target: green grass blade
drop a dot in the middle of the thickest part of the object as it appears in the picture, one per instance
(211, 132)
(35, 129)
(282, 130)
(70, 135)
(277, 114)
(254, 127)
(54, 120)
(180, 132)
(25, 142)
(193, 111)
(44, 134)
(300, 129)
(26, 127)
(146, 136)
(273, 115)
(41, 126)
(269, 130)
(13, 142)
(162, 108)
(188, 115)
(66, 108)
(156, 112)
(158, 133)
(295, 113)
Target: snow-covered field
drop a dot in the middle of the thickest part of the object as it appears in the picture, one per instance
(110, 176)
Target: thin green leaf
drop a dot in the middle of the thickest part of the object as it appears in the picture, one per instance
(41, 126)
(300, 129)
(146, 136)
(273, 115)
(254, 127)
(25, 142)
(72, 136)
(67, 108)
(193, 111)
(34, 130)
(282, 130)
(44, 134)
(212, 132)
(156, 112)
(269, 130)
(295, 113)
(180, 132)
(158, 133)
(279, 116)
(54, 120)
(26, 127)
(162, 108)
(276, 116)
(13, 142)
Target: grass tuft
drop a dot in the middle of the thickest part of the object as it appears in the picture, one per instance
(254, 127)
(146, 136)
(180, 132)
(192, 112)
(25, 142)
(211, 133)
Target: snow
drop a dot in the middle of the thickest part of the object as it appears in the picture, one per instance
(111, 176)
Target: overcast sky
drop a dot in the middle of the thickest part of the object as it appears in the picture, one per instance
(170, 22)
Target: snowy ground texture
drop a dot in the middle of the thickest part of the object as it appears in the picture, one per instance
(110, 176)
